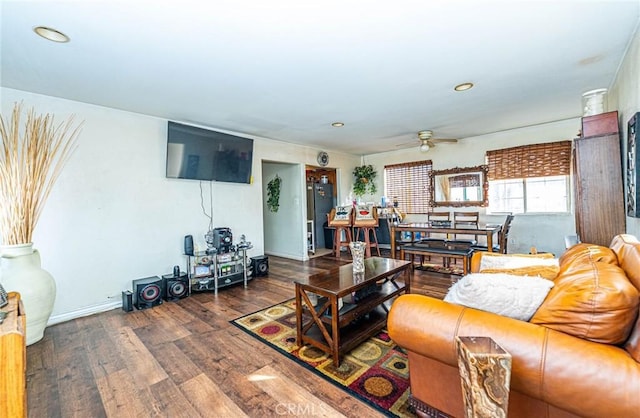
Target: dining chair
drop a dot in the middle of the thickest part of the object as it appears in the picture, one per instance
(504, 234)
(465, 219)
(439, 217)
(503, 238)
(434, 240)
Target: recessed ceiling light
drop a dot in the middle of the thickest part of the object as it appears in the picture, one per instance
(463, 86)
(51, 34)
(337, 124)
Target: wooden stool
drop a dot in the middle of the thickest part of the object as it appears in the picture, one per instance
(367, 231)
(338, 243)
(366, 226)
(340, 223)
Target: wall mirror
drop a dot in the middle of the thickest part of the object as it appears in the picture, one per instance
(458, 187)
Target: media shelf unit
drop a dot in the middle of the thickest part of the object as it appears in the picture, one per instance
(209, 271)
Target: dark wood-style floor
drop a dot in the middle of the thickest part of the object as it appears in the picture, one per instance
(184, 359)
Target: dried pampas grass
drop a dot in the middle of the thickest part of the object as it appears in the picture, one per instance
(31, 160)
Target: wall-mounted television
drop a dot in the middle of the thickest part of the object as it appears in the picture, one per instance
(202, 154)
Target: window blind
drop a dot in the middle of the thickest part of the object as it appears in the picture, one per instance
(465, 180)
(410, 184)
(536, 160)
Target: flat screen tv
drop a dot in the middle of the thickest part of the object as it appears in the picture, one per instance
(202, 154)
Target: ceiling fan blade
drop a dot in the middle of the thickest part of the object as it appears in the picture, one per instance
(444, 140)
(407, 144)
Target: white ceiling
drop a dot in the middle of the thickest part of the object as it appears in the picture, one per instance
(285, 69)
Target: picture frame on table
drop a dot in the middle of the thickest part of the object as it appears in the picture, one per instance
(201, 270)
(633, 162)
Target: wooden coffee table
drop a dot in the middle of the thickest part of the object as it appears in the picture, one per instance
(338, 329)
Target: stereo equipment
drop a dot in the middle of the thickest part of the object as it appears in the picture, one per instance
(127, 300)
(222, 239)
(204, 283)
(188, 245)
(175, 287)
(147, 292)
(260, 265)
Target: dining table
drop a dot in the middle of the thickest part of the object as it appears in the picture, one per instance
(428, 228)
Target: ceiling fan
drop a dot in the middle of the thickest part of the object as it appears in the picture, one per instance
(427, 141)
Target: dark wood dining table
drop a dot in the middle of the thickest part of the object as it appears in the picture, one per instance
(427, 228)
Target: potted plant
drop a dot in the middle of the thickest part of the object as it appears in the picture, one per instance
(364, 183)
(273, 193)
(31, 159)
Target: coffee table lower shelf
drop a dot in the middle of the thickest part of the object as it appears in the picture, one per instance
(349, 336)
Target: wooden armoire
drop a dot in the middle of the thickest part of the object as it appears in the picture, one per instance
(599, 195)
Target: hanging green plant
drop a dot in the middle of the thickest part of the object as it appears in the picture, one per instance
(273, 194)
(365, 176)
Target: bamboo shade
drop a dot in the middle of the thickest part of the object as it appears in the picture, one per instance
(537, 160)
(465, 180)
(410, 184)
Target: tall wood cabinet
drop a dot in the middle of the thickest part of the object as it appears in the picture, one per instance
(13, 360)
(599, 195)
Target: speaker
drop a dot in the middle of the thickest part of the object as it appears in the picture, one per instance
(147, 292)
(175, 287)
(260, 265)
(127, 300)
(188, 245)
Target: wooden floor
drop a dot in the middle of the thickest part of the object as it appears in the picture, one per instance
(184, 359)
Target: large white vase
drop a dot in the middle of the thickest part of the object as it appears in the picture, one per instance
(20, 271)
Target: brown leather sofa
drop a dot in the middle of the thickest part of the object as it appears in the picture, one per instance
(578, 356)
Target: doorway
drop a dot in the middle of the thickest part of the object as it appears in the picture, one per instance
(321, 198)
(284, 228)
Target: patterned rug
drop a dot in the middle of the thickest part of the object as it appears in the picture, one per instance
(375, 372)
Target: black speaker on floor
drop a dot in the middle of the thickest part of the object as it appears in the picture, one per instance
(260, 265)
(175, 287)
(147, 292)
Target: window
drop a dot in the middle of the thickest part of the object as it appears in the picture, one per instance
(465, 187)
(530, 178)
(410, 184)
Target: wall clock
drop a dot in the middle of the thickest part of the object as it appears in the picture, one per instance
(323, 158)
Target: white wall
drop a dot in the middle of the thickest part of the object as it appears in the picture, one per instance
(545, 232)
(113, 216)
(284, 230)
(624, 96)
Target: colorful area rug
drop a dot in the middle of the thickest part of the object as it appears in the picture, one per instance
(375, 372)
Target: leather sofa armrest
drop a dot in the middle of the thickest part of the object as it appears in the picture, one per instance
(568, 372)
(475, 261)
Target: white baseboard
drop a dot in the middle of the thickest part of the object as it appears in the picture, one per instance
(291, 256)
(89, 310)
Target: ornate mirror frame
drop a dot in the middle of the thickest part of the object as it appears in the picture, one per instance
(481, 170)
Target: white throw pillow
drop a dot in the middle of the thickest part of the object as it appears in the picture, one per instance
(514, 262)
(543, 265)
(517, 297)
(364, 212)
